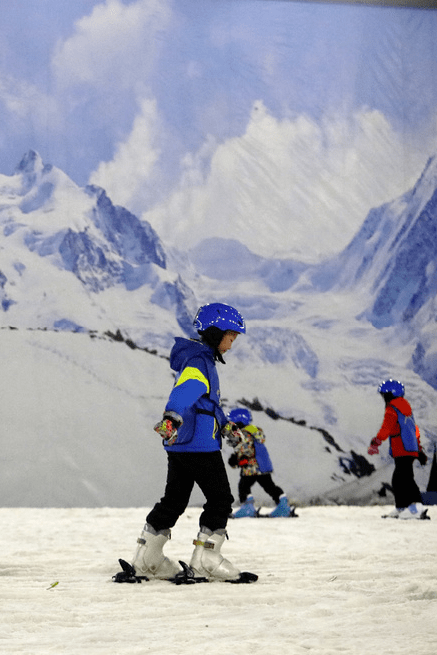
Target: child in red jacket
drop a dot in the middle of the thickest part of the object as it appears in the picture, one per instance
(399, 426)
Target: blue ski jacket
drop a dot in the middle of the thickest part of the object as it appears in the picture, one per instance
(196, 397)
(252, 453)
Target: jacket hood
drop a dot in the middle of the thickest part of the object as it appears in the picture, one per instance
(184, 348)
(402, 405)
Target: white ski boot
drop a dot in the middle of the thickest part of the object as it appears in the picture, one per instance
(207, 564)
(414, 511)
(207, 560)
(149, 560)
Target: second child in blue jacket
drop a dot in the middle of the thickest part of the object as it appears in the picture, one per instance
(251, 457)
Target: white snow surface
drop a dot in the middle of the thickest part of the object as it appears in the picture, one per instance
(336, 580)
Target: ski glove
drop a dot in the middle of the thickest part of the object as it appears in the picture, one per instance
(168, 427)
(373, 449)
(423, 458)
(232, 433)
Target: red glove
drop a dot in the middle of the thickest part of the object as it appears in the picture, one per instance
(373, 449)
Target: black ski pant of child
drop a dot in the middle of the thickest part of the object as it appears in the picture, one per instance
(405, 489)
(208, 471)
(265, 480)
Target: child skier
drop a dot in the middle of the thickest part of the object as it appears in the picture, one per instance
(192, 428)
(252, 458)
(399, 426)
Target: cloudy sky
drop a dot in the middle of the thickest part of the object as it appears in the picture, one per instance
(250, 119)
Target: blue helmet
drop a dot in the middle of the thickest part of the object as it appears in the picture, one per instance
(219, 315)
(240, 415)
(394, 387)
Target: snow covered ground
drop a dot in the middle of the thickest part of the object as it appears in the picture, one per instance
(336, 580)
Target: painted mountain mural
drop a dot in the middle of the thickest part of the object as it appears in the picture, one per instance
(320, 338)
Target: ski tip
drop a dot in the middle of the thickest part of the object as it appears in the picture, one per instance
(245, 578)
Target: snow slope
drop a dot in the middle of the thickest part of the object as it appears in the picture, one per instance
(335, 580)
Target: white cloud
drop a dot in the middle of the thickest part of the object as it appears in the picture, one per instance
(112, 44)
(273, 187)
(26, 104)
(125, 177)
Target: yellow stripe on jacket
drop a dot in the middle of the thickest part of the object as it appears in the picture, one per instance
(192, 373)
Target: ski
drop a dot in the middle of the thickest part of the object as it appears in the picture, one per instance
(423, 517)
(257, 515)
(292, 515)
(186, 576)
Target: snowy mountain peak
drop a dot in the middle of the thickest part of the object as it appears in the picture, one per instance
(31, 168)
(135, 240)
(51, 228)
(31, 164)
(70, 257)
(393, 256)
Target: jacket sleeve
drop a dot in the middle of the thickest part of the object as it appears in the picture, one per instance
(191, 384)
(390, 426)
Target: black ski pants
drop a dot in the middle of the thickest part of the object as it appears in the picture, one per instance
(405, 489)
(208, 471)
(265, 480)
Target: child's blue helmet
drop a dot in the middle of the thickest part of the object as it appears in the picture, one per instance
(394, 387)
(240, 415)
(219, 315)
